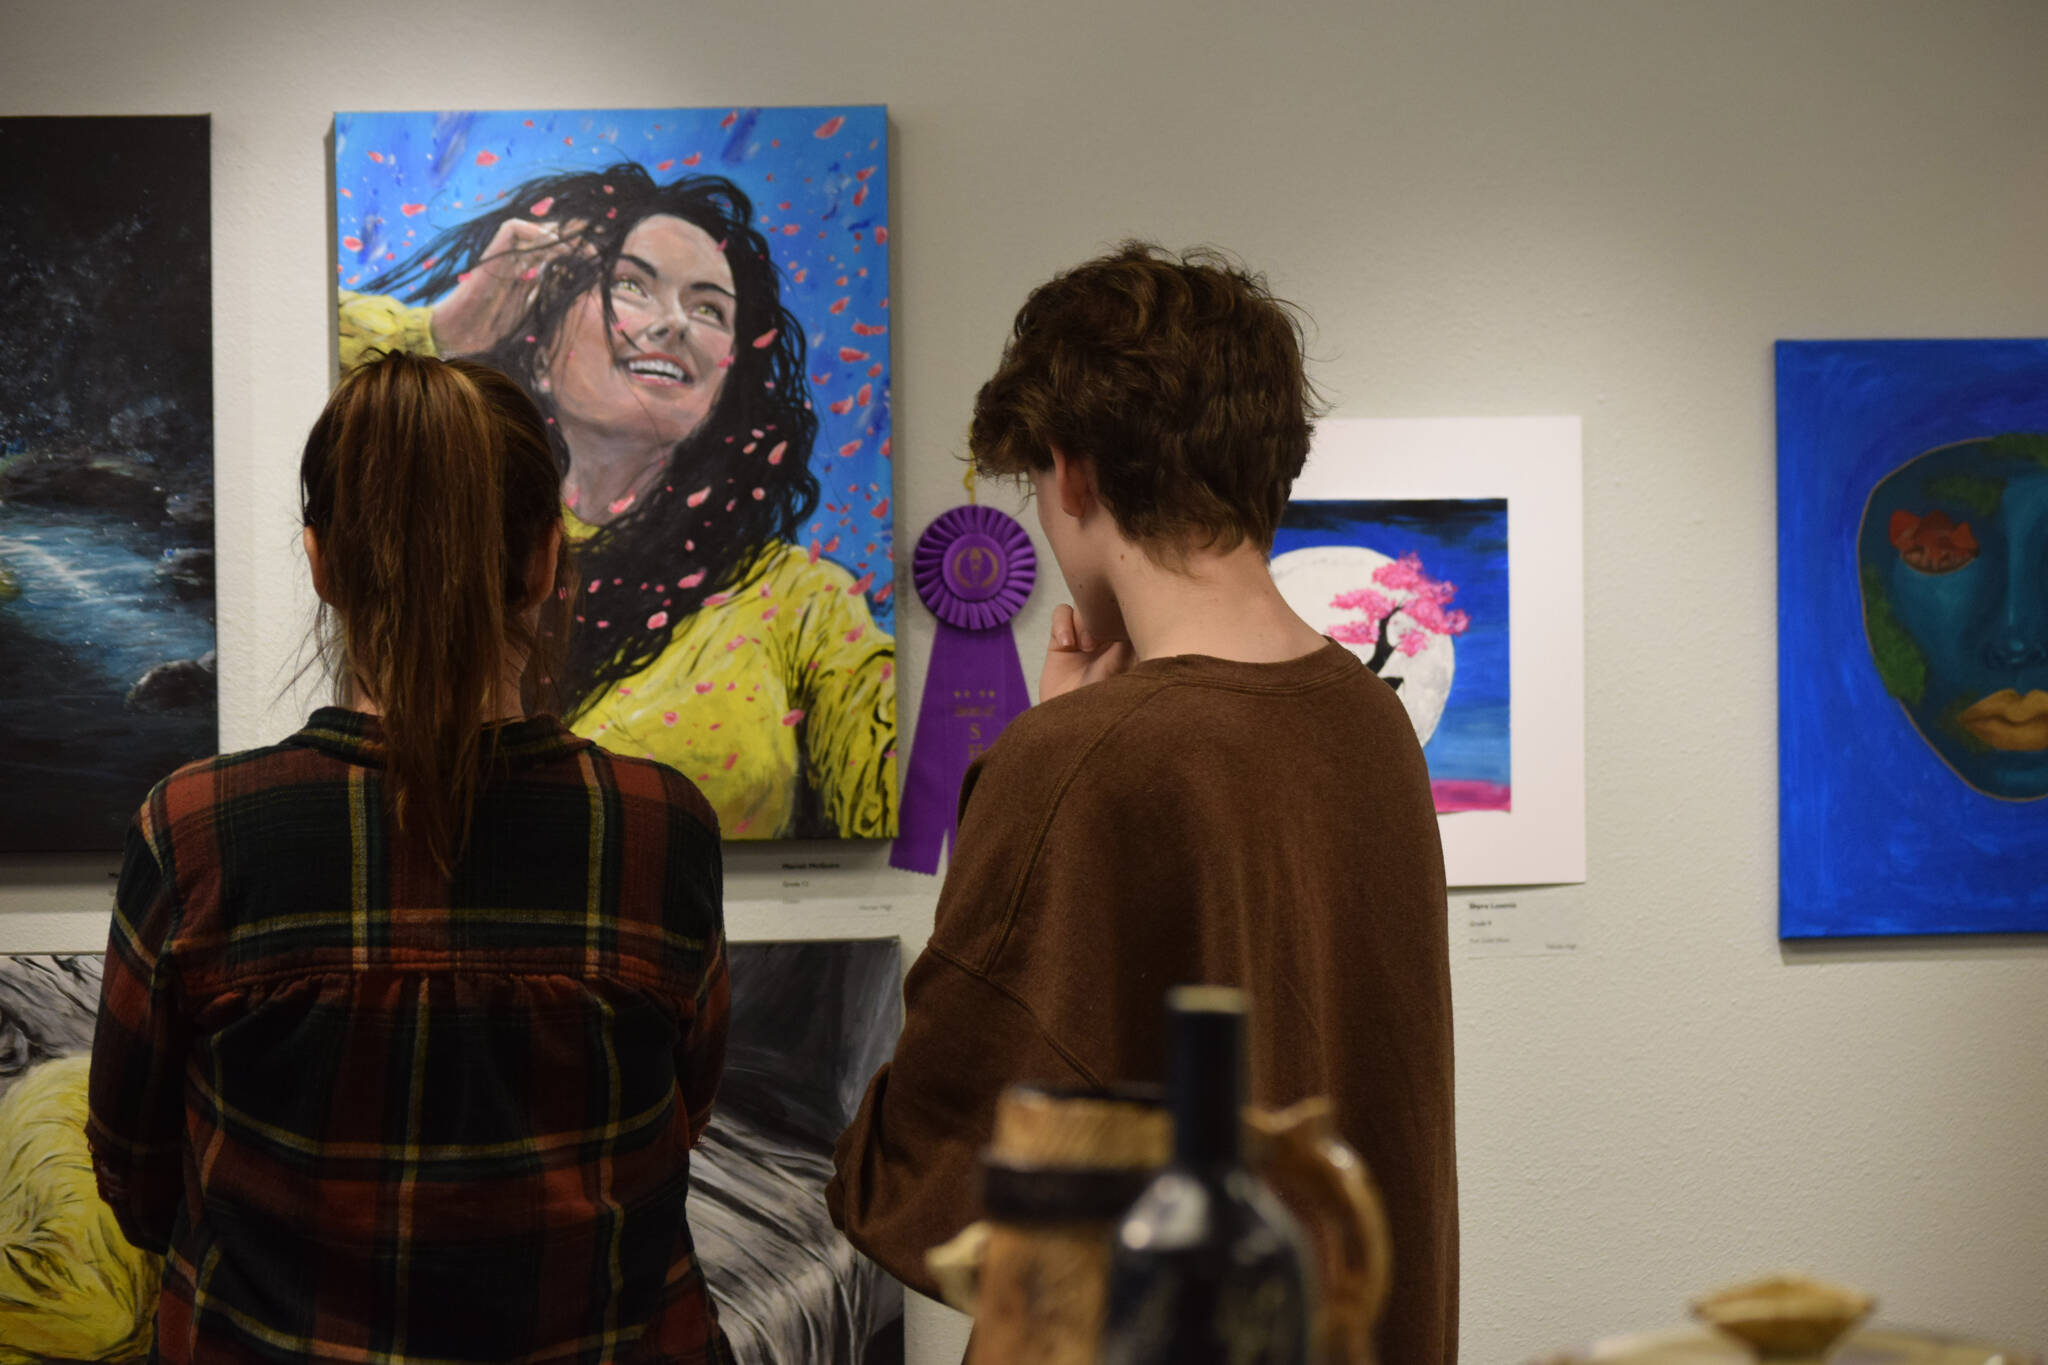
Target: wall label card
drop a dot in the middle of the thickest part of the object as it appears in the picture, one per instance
(1516, 928)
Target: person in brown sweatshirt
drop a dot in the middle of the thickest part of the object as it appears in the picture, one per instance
(1208, 791)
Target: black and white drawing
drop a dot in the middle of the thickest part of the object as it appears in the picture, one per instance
(810, 1023)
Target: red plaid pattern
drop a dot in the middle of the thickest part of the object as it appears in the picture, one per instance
(374, 1113)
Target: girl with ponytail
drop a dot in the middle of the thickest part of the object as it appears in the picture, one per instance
(410, 1022)
(430, 622)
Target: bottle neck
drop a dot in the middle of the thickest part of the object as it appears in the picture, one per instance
(1208, 1090)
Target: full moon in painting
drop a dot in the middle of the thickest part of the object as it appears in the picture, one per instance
(1324, 584)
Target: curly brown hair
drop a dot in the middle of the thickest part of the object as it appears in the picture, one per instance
(1178, 376)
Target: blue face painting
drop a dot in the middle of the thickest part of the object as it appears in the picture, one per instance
(1953, 556)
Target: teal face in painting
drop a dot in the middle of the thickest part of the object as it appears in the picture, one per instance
(1954, 565)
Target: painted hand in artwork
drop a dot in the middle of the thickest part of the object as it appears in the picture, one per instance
(491, 300)
(1074, 657)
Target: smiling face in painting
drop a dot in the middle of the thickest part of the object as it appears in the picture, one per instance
(1954, 564)
(657, 374)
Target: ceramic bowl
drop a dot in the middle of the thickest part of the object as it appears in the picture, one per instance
(1785, 1317)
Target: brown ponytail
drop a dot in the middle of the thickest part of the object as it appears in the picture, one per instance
(432, 489)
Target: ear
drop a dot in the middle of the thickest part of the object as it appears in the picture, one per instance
(317, 564)
(1074, 479)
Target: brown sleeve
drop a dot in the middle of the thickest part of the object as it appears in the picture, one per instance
(907, 1167)
(907, 1173)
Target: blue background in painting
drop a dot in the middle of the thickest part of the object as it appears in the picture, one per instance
(1875, 834)
(774, 155)
(1462, 541)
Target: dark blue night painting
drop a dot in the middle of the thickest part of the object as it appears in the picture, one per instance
(107, 674)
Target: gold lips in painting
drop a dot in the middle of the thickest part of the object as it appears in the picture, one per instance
(2006, 720)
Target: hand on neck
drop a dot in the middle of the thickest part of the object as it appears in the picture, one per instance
(1165, 601)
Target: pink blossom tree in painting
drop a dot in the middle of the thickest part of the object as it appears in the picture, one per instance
(1403, 612)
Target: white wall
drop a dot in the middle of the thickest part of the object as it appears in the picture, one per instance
(1608, 209)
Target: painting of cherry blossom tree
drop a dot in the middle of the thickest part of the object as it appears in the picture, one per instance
(1418, 589)
(1447, 554)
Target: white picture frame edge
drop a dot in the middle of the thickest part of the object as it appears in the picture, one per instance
(1533, 462)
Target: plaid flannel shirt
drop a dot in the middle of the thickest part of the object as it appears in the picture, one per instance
(373, 1113)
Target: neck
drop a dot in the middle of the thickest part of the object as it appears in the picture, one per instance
(504, 705)
(1222, 604)
(607, 470)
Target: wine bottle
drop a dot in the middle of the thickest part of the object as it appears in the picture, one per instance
(1206, 1265)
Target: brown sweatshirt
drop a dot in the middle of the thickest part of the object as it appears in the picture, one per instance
(1268, 826)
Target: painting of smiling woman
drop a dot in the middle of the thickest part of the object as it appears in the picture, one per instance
(697, 300)
(1912, 637)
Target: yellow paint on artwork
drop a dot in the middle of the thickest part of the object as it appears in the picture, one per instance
(71, 1287)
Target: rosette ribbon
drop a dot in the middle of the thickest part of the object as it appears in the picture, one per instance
(973, 567)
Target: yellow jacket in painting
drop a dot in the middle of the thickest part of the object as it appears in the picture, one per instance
(778, 692)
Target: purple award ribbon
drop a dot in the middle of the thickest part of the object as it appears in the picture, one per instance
(973, 567)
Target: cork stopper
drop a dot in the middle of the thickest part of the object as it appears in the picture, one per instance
(1205, 1000)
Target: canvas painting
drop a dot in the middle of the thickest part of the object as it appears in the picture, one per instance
(810, 1023)
(1445, 554)
(106, 472)
(698, 302)
(1912, 637)
(1418, 589)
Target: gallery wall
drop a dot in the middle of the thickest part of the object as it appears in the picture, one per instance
(1602, 209)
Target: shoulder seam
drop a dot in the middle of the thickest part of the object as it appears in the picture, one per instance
(1052, 807)
(1086, 1072)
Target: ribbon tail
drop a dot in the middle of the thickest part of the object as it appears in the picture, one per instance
(925, 821)
(974, 687)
